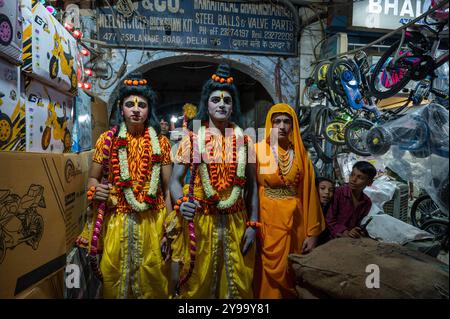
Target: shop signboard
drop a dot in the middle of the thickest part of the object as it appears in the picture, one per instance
(240, 27)
(387, 14)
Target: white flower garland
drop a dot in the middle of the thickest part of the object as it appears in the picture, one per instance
(240, 172)
(125, 175)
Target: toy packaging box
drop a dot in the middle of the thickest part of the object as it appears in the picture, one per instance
(49, 50)
(82, 127)
(12, 109)
(11, 31)
(49, 119)
(42, 206)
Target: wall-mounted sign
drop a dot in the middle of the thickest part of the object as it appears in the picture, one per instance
(334, 45)
(387, 14)
(241, 27)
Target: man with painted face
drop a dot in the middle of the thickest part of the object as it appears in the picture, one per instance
(220, 245)
(128, 190)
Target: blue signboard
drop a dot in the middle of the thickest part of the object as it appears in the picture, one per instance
(205, 25)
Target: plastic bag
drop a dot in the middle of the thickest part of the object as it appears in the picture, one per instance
(384, 227)
(388, 229)
(380, 192)
(416, 147)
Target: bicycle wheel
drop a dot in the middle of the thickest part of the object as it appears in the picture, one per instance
(378, 140)
(334, 74)
(319, 124)
(356, 136)
(388, 78)
(438, 228)
(424, 209)
(320, 75)
(304, 115)
(334, 132)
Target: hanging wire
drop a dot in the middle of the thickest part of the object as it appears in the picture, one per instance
(431, 10)
(123, 67)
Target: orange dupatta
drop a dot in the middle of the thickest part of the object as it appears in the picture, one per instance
(309, 221)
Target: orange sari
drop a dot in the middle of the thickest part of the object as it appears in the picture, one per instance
(288, 214)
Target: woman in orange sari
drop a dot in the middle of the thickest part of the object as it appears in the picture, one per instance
(290, 210)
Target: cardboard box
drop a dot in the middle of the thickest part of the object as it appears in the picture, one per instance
(100, 120)
(42, 203)
(82, 127)
(76, 170)
(11, 35)
(49, 118)
(50, 288)
(12, 109)
(49, 50)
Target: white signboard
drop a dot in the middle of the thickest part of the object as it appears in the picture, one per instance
(387, 14)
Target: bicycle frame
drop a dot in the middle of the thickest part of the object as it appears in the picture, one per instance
(414, 56)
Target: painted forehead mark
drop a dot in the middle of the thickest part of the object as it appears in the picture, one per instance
(136, 100)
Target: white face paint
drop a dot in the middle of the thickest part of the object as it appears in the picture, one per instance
(220, 105)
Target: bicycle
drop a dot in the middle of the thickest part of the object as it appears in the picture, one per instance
(439, 229)
(422, 138)
(423, 210)
(410, 58)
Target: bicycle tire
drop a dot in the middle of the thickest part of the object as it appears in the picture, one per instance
(352, 126)
(416, 206)
(379, 67)
(438, 228)
(378, 140)
(331, 79)
(304, 115)
(329, 138)
(317, 137)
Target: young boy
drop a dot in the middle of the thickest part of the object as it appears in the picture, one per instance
(350, 205)
(325, 188)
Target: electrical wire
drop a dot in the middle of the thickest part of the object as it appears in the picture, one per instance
(123, 67)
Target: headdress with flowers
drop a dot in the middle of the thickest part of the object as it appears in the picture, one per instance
(221, 79)
(134, 84)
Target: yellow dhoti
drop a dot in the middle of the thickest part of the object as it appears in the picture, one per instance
(132, 264)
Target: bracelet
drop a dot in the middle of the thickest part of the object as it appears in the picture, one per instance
(253, 224)
(90, 193)
(180, 201)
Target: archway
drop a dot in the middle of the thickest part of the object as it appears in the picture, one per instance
(178, 80)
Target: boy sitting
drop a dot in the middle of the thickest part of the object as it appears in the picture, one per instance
(350, 205)
(325, 188)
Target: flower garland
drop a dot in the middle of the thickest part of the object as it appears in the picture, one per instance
(125, 180)
(102, 206)
(239, 180)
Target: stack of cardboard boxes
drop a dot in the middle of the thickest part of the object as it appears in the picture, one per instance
(42, 182)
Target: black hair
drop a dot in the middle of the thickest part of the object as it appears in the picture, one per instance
(366, 168)
(324, 179)
(144, 90)
(165, 117)
(223, 71)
